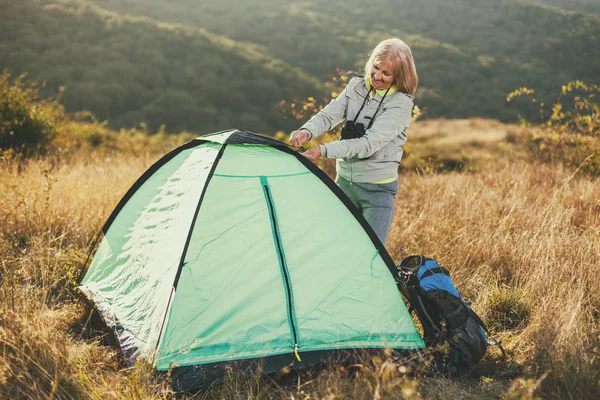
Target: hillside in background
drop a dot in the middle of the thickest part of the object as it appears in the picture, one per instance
(585, 6)
(131, 70)
(469, 53)
(212, 65)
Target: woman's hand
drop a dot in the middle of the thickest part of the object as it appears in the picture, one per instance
(298, 138)
(313, 154)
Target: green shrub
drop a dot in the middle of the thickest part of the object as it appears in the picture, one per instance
(506, 309)
(573, 150)
(27, 124)
(570, 132)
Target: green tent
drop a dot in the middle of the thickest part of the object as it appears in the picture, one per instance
(235, 247)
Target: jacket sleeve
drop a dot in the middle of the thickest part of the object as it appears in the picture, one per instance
(329, 117)
(392, 122)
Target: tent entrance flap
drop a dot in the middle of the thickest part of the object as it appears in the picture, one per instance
(282, 262)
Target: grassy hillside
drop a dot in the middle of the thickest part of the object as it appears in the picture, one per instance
(521, 238)
(131, 70)
(469, 54)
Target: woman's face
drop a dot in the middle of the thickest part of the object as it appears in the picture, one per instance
(382, 75)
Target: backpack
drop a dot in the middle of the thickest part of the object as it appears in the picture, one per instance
(444, 315)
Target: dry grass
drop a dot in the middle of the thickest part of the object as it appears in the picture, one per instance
(49, 216)
(522, 241)
(465, 145)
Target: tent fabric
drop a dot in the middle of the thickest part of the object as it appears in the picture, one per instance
(134, 267)
(235, 247)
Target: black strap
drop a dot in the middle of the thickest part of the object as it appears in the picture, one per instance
(482, 324)
(436, 293)
(429, 321)
(378, 107)
(376, 111)
(455, 312)
(361, 107)
(435, 270)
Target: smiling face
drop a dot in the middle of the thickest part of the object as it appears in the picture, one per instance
(382, 75)
(391, 63)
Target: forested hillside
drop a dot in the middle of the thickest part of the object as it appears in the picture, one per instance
(585, 6)
(131, 70)
(469, 53)
(228, 64)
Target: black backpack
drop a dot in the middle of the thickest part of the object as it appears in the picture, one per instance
(444, 316)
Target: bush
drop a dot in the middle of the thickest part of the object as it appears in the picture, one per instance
(570, 132)
(27, 124)
(506, 309)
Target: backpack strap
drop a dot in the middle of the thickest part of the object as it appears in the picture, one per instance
(493, 340)
(454, 313)
(452, 301)
(430, 327)
(435, 270)
(437, 294)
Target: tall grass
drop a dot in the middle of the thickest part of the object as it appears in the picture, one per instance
(522, 242)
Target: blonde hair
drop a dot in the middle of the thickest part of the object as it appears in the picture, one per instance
(398, 56)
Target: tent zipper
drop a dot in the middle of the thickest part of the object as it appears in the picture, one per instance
(283, 265)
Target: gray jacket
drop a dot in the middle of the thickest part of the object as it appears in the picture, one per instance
(376, 155)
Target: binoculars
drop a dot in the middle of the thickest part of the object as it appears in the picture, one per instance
(352, 131)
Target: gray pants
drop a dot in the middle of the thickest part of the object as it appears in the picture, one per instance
(375, 201)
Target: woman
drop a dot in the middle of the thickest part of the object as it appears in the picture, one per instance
(377, 110)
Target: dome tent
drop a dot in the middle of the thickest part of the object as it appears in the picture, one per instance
(235, 247)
